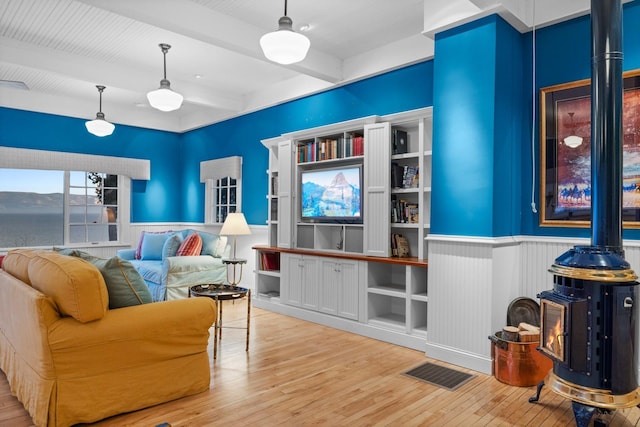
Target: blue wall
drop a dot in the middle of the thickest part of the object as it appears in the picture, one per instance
(478, 130)
(152, 201)
(174, 192)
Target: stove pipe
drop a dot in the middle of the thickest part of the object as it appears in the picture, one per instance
(606, 124)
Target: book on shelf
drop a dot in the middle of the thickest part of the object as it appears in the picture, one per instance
(399, 246)
(274, 185)
(269, 261)
(400, 141)
(403, 211)
(410, 177)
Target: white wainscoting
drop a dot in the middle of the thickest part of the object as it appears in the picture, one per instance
(473, 280)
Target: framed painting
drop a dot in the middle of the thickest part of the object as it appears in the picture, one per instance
(565, 142)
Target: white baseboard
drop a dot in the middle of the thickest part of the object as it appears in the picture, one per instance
(460, 358)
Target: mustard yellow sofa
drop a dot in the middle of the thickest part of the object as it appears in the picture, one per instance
(69, 359)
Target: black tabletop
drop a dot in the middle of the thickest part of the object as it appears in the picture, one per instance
(218, 291)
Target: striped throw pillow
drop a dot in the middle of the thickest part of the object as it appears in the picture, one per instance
(191, 246)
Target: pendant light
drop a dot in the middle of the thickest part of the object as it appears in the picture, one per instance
(99, 126)
(285, 46)
(163, 98)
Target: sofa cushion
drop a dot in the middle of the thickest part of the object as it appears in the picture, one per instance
(152, 245)
(75, 285)
(16, 263)
(212, 244)
(124, 284)
(191, 246)
(171, 245)
(141, 240)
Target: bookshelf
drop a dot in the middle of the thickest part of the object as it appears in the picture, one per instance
(344, 274)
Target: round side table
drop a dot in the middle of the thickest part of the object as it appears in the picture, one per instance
(220, 293)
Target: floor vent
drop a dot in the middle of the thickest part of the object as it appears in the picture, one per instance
(439, 375)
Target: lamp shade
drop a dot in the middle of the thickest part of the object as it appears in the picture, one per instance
(99, 126)
(285, 46)
(164, 99)
(235, 225)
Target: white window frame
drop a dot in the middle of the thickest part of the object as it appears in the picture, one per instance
(211, 174)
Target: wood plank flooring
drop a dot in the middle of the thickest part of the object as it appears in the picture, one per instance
(298, 373)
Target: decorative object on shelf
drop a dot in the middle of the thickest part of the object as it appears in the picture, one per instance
(99, 126)
(400, 141)
(285, 46)
(235, 225)
(163, 98)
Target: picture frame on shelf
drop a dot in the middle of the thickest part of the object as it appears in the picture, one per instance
(565, 161)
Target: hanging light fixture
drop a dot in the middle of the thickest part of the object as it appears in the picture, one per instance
(285, 46)
(163, 98)
(99, 126)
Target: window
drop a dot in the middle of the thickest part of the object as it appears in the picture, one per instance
(43, 208)
(225, 198)
(93, 207)
(223, 187)
(22, 167)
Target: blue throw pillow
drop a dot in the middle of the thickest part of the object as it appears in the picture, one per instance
(171, 245)
(152, 246)
(209, 243)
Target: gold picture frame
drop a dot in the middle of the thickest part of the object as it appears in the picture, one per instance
(565, 146)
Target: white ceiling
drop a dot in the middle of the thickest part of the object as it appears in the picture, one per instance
(61, 49)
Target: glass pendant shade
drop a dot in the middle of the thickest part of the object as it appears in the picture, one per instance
(164, 99)
(99, 126)
(285, 46)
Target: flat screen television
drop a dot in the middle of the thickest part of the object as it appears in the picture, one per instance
(331, 195)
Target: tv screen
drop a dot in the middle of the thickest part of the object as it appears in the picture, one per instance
(331, 195)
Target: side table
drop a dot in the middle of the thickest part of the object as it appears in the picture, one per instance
(219, 293)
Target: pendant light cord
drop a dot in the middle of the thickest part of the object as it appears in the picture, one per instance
(533, 114)
(285, 7)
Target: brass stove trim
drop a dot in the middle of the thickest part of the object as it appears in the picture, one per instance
(593, 274)
(592, 396)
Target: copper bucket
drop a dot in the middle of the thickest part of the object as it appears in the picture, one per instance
(518, 363)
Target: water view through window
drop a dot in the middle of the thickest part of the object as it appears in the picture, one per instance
(32, 207)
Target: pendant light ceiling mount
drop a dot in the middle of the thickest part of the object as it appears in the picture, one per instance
(285, 46)
(99, 126)
(163, 98)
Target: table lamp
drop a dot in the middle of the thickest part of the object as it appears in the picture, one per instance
(235, 225)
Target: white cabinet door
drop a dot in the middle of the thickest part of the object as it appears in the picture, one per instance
(348, 289)
(285, 194)
(291, 280)
(300, 281)
(339, 285)
(329, 287)
(309, 283)
(377, 155)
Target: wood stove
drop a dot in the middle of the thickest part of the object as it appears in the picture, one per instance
(588, 319)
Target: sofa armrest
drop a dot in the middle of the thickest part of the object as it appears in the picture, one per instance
(128, 254)
(131, 336)
(179, 273)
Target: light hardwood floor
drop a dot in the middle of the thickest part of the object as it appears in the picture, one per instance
(298, 373)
